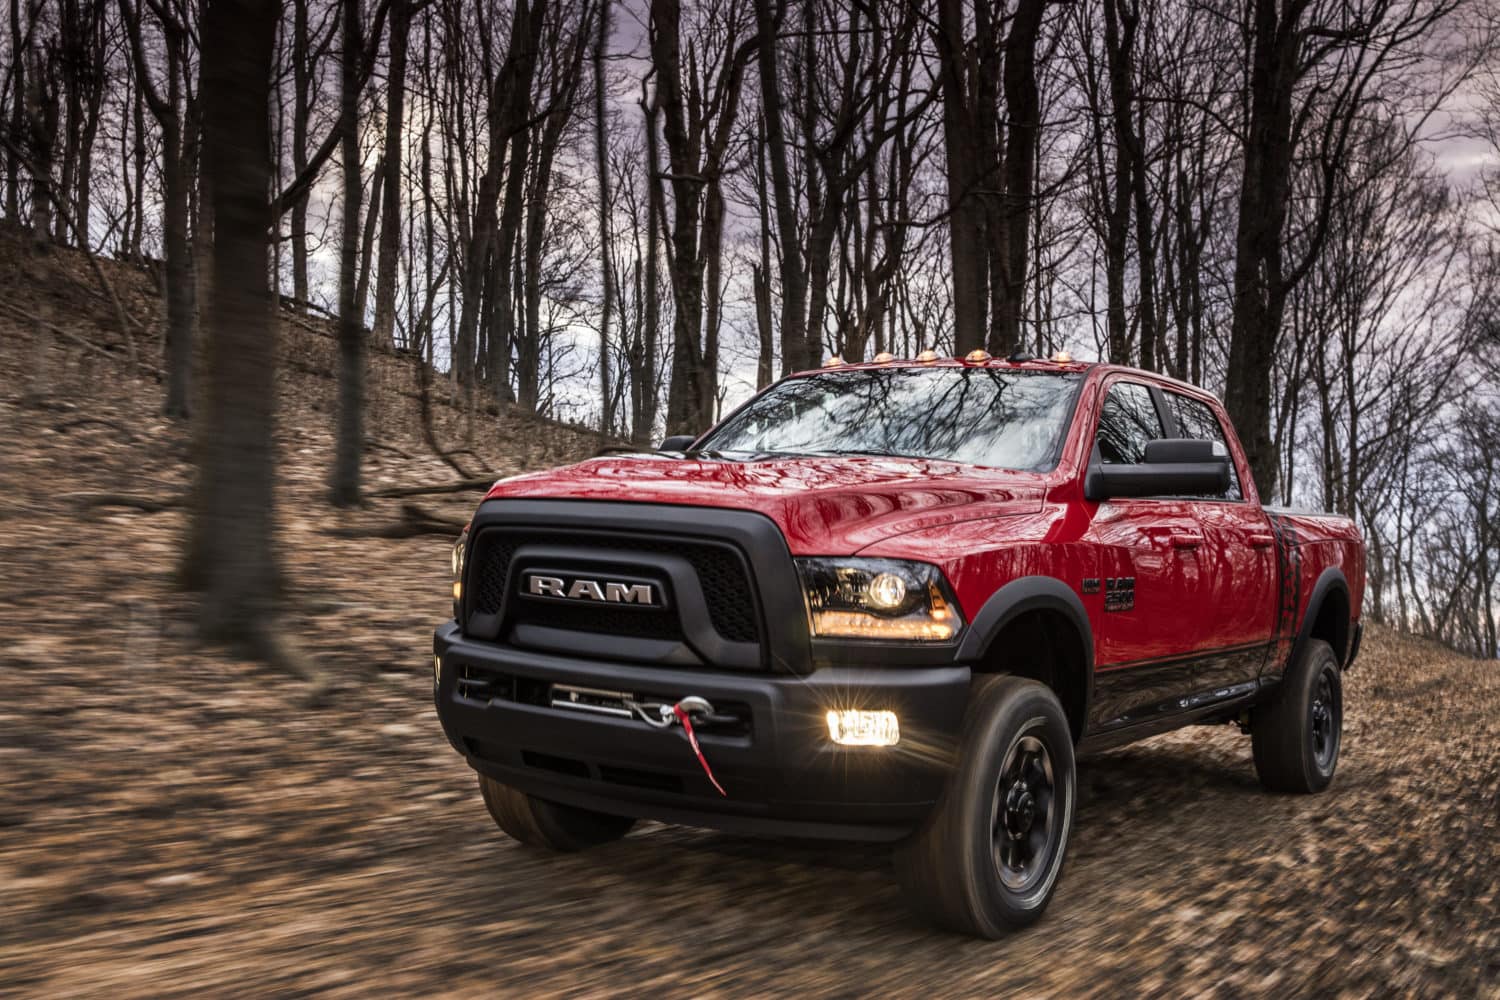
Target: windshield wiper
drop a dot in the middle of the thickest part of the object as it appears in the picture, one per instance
(865, 452)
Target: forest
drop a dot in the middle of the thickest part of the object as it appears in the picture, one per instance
(630, 214)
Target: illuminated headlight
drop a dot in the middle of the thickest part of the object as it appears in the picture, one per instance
(856, 728)
(891, 599)
(460, 548)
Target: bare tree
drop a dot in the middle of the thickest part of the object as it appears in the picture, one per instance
(173, 111)
(698, 115)
(1314, 68)
(231, 555)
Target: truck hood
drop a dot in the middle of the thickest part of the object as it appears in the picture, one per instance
(823, 505)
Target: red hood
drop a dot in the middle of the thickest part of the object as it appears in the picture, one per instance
(824, 506)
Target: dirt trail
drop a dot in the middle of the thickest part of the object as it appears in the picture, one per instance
(176, 823)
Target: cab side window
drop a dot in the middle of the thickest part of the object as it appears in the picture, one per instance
(1126, 423)
(1197, 420)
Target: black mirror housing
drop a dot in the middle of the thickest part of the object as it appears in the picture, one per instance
(677, 442)
(1174, 467)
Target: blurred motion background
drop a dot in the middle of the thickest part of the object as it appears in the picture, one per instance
(285, 286)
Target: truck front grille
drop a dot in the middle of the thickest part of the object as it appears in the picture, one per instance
(721, 570)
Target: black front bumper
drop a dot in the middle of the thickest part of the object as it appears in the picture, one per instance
(783, 776)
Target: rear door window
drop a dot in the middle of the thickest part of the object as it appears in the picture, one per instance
(1196, 419)
(1126, 423)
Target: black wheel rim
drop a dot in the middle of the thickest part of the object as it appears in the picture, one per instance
(1023, 814)
(1325, 718)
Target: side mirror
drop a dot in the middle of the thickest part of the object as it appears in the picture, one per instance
(1174, 467)
(677, 442)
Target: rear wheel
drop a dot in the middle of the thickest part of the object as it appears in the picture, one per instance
(551, 825)
(987, 860)
(1297, 735)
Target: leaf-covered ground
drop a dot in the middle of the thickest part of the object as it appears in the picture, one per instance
(174, 822)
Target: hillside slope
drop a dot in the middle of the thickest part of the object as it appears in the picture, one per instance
(174, 822)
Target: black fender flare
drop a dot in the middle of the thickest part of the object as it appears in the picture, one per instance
(1331, 580)
(1031, 593)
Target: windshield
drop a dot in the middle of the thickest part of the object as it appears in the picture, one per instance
(1003, 418)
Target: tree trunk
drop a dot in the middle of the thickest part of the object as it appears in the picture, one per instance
(685, 406)
(180, 304)
(231, 555)
(761, 276)
(1259, 296)
(1024, 114)
(601, 167)
(390, 204)
(968, 259)
(301, 110)
(344, 488)
(17, 124)
(646, 419)
(41, 133)
(798, 351)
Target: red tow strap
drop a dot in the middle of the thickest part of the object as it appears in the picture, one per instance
(687, 727)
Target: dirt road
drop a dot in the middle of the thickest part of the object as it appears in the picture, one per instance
(177, 823)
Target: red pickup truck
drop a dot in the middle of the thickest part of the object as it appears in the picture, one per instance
(891, 601)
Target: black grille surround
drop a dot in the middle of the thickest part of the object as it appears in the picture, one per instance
(730, 590)
(721, 572)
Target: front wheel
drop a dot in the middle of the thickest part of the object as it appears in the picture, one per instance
(988, 859)
(1296, 736)
(549, 825)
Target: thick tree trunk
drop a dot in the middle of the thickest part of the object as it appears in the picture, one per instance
(685, 405)
(231, 555)
(1259, 294)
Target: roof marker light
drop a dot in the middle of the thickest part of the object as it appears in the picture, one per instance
(978, 356)
(833, 362)
(1062, 357)
(928, 356)
(884, 358)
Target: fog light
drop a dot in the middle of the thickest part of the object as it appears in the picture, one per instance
(856, 728)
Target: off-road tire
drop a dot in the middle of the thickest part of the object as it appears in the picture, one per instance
(549, 825)
(954, 870)
(1297, 735)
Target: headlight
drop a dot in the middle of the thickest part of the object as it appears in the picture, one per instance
(878, 599)
(460, 547)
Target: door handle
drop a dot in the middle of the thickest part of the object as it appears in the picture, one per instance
(1262, 541)
(1184, 540)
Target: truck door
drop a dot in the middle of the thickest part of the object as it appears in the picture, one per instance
(1148, 588)
(1237, 562)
